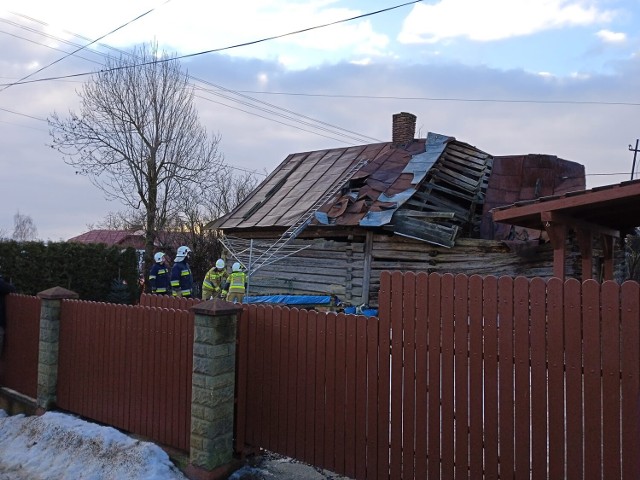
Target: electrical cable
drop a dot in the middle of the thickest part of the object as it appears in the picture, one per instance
(85, 46)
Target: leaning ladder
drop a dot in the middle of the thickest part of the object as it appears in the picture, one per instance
(294, 230)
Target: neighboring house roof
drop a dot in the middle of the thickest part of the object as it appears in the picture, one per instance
(128, 238)
(431, 189)
(111, 237)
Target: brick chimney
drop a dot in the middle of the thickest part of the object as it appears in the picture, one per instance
(404, 128)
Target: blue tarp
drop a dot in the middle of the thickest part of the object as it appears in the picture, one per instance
(291, 299)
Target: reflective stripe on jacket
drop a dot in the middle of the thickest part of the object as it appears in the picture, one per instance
(213, 283)
(159, 278)
(237, 281)
(181, 279)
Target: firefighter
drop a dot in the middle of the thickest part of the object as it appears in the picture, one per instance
(214, 281)
(159, 275)
(181, 277)
(237, 283)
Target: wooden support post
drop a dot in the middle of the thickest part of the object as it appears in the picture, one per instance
(366, 276)
(558, 236)
(607, 253)
(586, 252)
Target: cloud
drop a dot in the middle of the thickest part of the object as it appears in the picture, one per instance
(492, 20)
(608, 36)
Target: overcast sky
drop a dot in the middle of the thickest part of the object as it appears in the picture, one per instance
(558, 77)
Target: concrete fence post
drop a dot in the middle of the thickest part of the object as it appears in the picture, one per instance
(48, 345)
(213, 389)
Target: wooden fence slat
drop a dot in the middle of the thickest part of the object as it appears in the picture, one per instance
(490, 314)
(321, 406)
(242, 386)
(260, 420)
(189, 337)
(408, 404)
(293, 375)
(253, 404)
(630, 381)
(340, 392)
(173, 375)
(137, 380)
(555, 358)
(350, 396)
(573, 362)
(396, 373)
(268, 418)
(301, 384)
(285, 379)
(611, 401)
(153, 372)
(276, 376)
(361, 397)
(372, 398)
(310, 388)
(505, 379)
(330, 372)
(447, 386)
(461, 376)
(434, 339)
(537, 295)
(592, 399)
(384, 375)
(64, 355)
(475, 377)
(522, 395)
(422, 352)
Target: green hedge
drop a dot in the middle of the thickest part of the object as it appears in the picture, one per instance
(94, 271)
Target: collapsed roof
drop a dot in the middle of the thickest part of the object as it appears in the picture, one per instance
(431, 189)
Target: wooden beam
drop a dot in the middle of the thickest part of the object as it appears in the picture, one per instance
(585, 243)
(512, 214)
(558, 236)
(578, 224)
(366, 277)
(607, 253)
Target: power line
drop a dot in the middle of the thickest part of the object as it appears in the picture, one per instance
(221, 49)
(85, 46)
(357, 137)
(442, 99)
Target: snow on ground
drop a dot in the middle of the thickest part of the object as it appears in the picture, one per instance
(57, 446)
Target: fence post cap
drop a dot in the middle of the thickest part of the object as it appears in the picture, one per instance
(216, 308)
(57, 293)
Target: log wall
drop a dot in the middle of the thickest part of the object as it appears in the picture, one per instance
(338, 267)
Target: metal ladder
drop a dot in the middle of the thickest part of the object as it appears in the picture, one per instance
(294, 230)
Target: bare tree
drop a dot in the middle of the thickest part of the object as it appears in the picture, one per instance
(24, 229)
(232, 188)
(138, 137)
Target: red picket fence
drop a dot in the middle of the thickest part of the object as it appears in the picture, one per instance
(167, 301)
(129, 367)
(459, 377)
(19, 361)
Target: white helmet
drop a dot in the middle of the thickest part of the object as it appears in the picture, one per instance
(220, 264)
(182, 253)
(158, 257)
(236, 267)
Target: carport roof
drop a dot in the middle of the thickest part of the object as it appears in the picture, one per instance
(615, 207)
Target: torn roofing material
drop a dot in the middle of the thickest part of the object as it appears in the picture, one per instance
(391, 177)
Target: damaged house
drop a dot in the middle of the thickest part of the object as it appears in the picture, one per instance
(329, 221)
